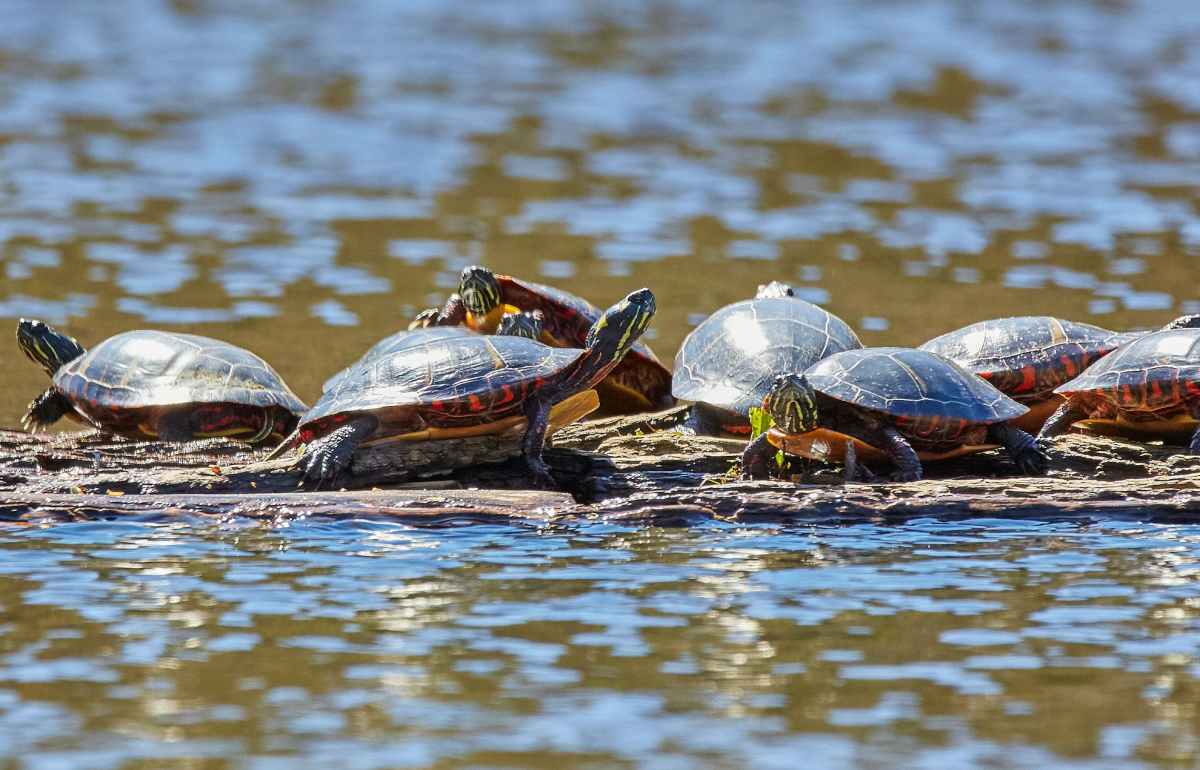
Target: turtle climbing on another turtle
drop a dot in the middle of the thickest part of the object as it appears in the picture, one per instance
(457, 385)
(527, 325)
(159, 385)
(910, 404)
(727, 363)
(1148, 388)
(640, 383)
(1027, 357)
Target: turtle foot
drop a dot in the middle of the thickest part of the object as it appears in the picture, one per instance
(539, 472)
(1026, 452)
(328, 456)
(1032, 461)
(902, 477)
(45, 410)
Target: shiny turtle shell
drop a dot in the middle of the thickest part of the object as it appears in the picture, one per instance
(1027, 357)
(401, 340)
(1153, 379)
(124, 384)
(447, 382)
(731, 359)
(934, 403)
(567, 319)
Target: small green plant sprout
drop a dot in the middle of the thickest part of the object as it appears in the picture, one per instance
(761, 421)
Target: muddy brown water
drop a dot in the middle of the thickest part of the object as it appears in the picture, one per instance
(302, 178)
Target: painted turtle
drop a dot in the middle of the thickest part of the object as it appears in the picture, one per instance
(457, 384)
(1027, 357)
(639, 383)
(909, 403)
(151, 384)
(1148, 388)
(527, 325)
(728, 362)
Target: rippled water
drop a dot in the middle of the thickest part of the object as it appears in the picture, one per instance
(302, 178)
(971, 644)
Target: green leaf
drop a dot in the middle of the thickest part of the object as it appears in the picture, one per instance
(761, 421)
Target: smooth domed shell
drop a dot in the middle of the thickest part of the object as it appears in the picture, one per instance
(1159, 357)
(731, 359)
(1006, 344)
(153, 368)
(450, 369)
(402, 340)
(903, 382)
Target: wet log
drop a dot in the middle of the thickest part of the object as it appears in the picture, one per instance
(416, 507)
(635, 470)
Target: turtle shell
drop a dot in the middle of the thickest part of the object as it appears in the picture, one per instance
(1159, 372)
(401, 340)
(440, 383)
(1027, 357)
(933, 402)
(731, 359)
(133, 374)
(568, 319)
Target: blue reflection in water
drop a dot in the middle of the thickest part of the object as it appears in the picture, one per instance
(376, 645)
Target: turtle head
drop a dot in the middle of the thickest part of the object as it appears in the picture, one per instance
(774, 290)
(479, 289)
(621, 325)
(47, 347)
(793, 404)
(527, 325)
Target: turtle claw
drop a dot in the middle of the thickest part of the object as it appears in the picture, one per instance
(540, 472)
(323, 462)
(30, 424)
(326, 458)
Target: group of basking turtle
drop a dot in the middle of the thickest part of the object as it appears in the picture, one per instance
(510, 357)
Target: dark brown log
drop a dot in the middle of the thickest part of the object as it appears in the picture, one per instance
(419, 507)
(635, 470)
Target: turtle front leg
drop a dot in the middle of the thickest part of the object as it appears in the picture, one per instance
(756, 458)
(425, 319)
(453, 314)
(537, 413)
(881, 434)
(1024, 451)
(1194, 446)
(701, 421)
(1063, 418)
(45, 410)
(328, 456)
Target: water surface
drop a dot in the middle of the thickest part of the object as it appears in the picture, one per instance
(304, 177)
(970, 644)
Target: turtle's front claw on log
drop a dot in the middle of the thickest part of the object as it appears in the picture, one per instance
(539, 472)
(1033, 462)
